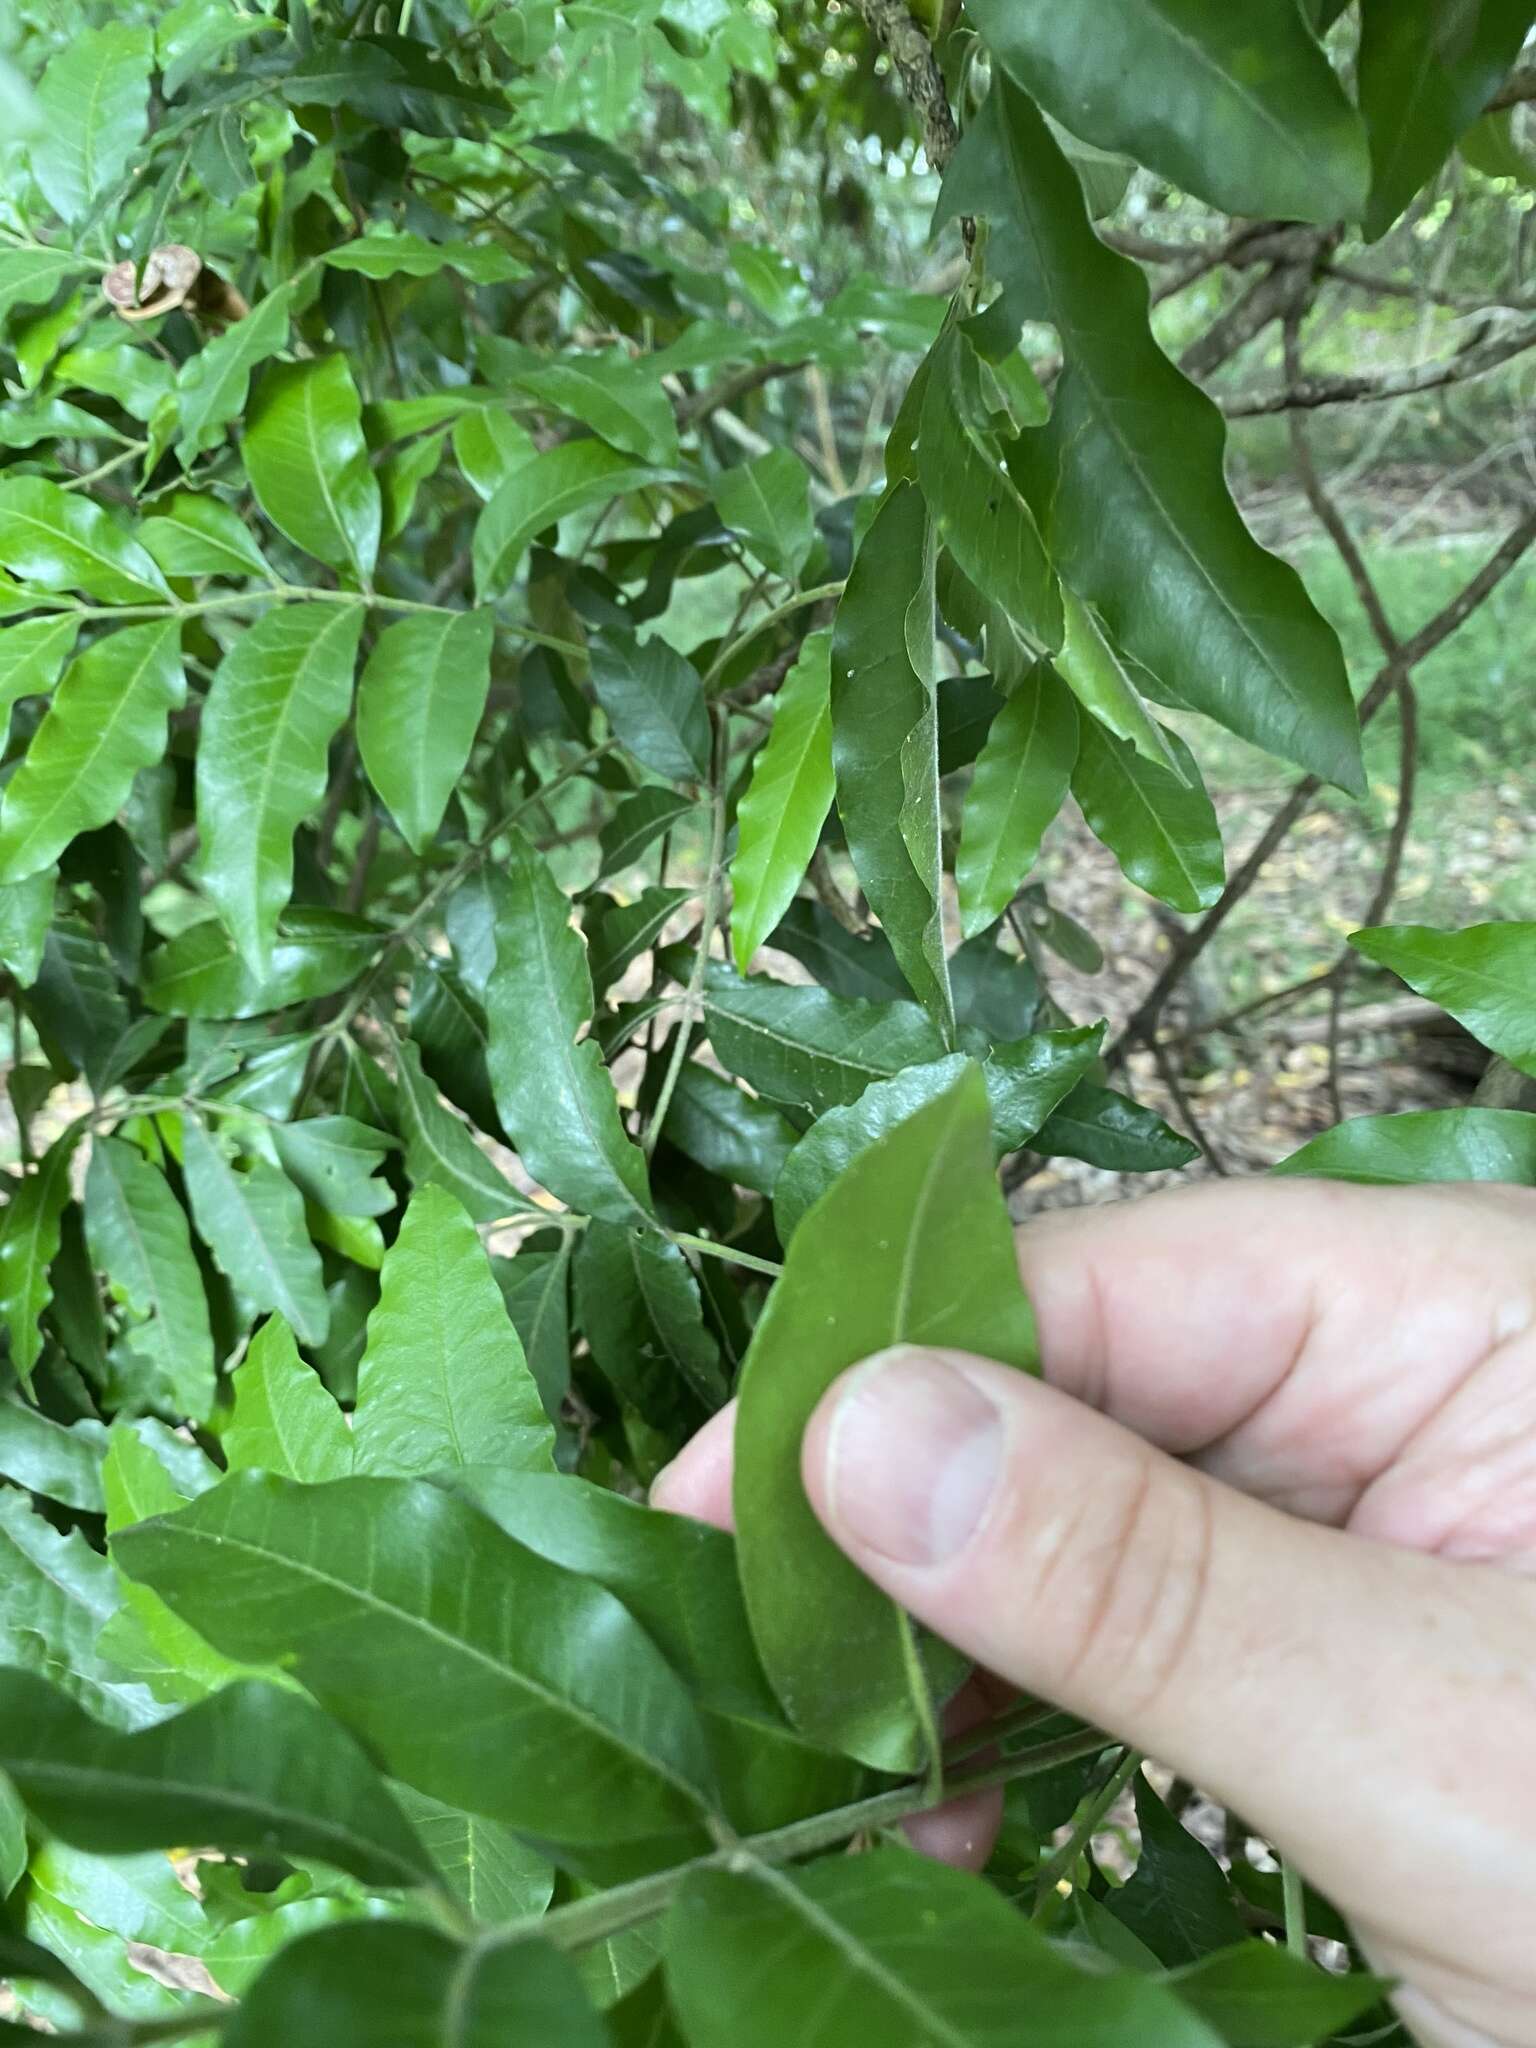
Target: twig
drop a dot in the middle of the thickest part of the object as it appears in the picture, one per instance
(1143, 1023)
(699, 406)
(921, 79)
(1265, 299)
(1084, 1827)
(709, 918)
(1475, 360)
(1175, 1087)
(822, 880)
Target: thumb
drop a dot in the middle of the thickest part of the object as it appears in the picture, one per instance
(1298, 1674)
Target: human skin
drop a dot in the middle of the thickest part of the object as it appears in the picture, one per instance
(1269, 1516)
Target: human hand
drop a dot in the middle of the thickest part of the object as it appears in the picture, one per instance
(1270, 1517)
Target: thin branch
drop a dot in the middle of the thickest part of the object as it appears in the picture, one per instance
(921, 79)
(699, 406)
(1265, 300)
(1186, 950)
(1475, 360)
(1175, 1087)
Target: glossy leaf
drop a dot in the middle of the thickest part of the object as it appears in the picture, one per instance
(1177, 1899)
(854, 1949)
(443, 1380)
(637, 824)
(399, 1985)
(1111, 1131)
(1426, 72)
(518, 1657)
(284, 1419)
(200, 973)
(31, 276)
(440, 1152)
(335, 1160)
(618, 934)
(1423, 1145)
(106, 722)
(1020, 783)
(1260, 1996)
(782, 811)
(419, 705)
(726, 1131)
(32, 656)
(1161, 827)
(554, 1094)
(803, 1045)
(254, 1768)
(1483, 976)
(76, 1002)
(56, 1593)
(1241, 109)
(26, 911)
(55, 539)
(494, 1875)
(639, 1306)
(980, 514)
(197, 535)
(138, 1236)
(251, 1217)
(29, 1244)
(1180, 583)
(912, 1244)
(767, 501)
(94, 100)
(567, 478)
(620, 400)
(276, 702)
(885, 741)
(212, 384)
(378, 255)
(655, 703)
(307, 462)
(62, 1463)
(1096, 676)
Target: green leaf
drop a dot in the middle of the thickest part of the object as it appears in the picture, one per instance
(783, 809)
(106, 722)
(200, 536)
(566, 478)
(1242, 109)
(31, 276)
(1423, 1145)
(401, 475)
(252, 1220)
(518, 1658)
(1025, 1081)
(767, 502)
(32, 656)
(308, 463)
(29, 1244)
(138, 1235)
(555, 1097)
(1020, 783)
(255, 1769)
(860, 964)
(980, 514)
(1111, 1131)
(211, 385)
(1179, 581)
(440, 1151)
(394, 1984)
(912, 1244)
(638, 823)
(1177, 1900)
(639, 1306)
(26, 913)
(806, 1046)
(76, 1003)
(1425, 74)
(276, 702)
(1161, 827)
(488, 444)
(199, 973)
(654, 699)
(55, 1595)
(94, 101)
(620, 400)
(885, 741)
(1093, 672)
(1484, 976)
(285, 1420)
(1260, 1996)
(60, 1462)
(493, 1875)
(390, 79)
(444, 1381)
(726, 1131)
(419, 706)
(618, 933)
(891, 1946)
(55, 539)
(381, 253)
(535, 1285)
(335, 1161)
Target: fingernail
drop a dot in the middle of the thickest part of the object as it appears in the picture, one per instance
(911, 1457)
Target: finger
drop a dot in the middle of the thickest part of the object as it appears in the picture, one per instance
(1299, 1674)
(1293, 1336)
(698, 1483)
(698, 1480)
